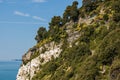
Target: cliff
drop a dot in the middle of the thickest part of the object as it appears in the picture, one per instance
(84, 46)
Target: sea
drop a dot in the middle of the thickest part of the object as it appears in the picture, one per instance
(9, 69)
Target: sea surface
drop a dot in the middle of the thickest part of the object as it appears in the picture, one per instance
(9, 69)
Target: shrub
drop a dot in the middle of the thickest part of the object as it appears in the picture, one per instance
(109, 48)
(87, 33)
(116, 6)
(105, 17)
(41, 34)
(90, 7)
(71, 13)
(116, 17)
(75, 25)
(88, 71)
(56, 21)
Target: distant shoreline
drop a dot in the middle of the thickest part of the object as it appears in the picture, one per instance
(16, 60)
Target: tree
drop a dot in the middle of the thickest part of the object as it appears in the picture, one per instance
(56, 21)
(41, 34)
(74, 11)
(90, 7)
(66, 15)
(87, 2)
(116, 8)
(71, 13)
(105, 17)
(116, 17)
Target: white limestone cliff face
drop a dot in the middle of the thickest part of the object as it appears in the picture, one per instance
(26, 72)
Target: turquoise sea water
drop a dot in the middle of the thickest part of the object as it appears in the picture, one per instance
(9, 69)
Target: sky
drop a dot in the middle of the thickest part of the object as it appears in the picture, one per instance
(20, 20)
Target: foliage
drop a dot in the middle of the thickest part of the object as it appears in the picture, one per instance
(66, 15)
(116, 17)
(88, 71)
(41, 34)
(57, 33)
(105, 17)
(34, 55)
(109, 48)
(55, 21)
(116, 8)
(44, 41)
(75, 25)
(90, 7)
(48, 69)
(87, 2)
(87, 33)
(97, 46)
(71, 13)
(74, 11)
(115, 64)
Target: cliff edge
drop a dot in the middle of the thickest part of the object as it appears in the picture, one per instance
(81, 45)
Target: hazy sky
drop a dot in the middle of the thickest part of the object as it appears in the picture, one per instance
(20, 20)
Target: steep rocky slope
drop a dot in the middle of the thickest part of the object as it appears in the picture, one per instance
(85, 47)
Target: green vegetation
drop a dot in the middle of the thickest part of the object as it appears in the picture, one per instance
(116, 8)
(71, 13)
(56, 21)
(95, 55)
(41, 34)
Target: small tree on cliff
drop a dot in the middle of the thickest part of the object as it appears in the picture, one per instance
(55, 21)
(71, 12)
(74, 11)
(41, 34)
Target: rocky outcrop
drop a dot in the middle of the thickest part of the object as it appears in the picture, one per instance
(27, 71)
(47, 51)
(72, 34)
(27, 56)
(91, 34)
